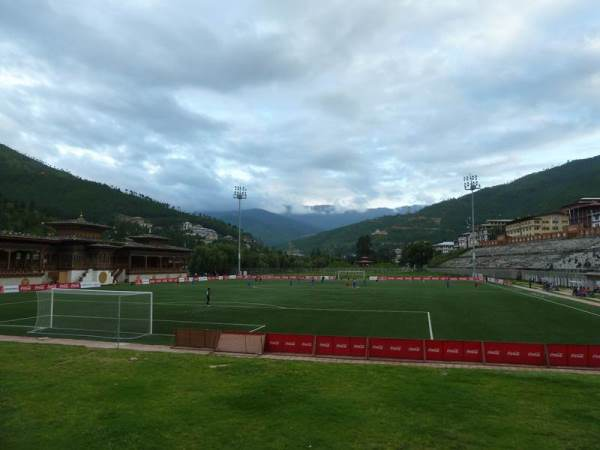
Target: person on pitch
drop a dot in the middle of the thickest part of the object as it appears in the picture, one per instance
(207, 296)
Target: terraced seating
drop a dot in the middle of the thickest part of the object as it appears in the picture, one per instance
(562, 254)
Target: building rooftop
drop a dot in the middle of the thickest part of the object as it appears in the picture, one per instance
(80, 221)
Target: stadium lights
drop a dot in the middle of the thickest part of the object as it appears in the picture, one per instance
(471, 183)
(239, 193)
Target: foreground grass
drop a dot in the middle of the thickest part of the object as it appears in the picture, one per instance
(69, 397)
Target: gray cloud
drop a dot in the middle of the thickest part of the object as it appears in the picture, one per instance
(353, 104)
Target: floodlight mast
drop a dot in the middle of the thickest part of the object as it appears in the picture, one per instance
(472, 184)
(239, 193)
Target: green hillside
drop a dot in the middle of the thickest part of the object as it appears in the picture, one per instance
(536, 193)
(272, 229)
(31, 191)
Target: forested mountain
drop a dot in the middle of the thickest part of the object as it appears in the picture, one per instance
(536, 193)
(31, 191)
(270, 228)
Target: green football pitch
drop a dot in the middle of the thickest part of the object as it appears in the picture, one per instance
(402, 309)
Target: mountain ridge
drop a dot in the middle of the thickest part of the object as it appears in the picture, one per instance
(30, 186)
(535, 193)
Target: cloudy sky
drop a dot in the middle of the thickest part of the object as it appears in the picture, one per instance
(353, 103)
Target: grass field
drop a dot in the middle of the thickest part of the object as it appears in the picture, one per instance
(385, 309)
(55, 397)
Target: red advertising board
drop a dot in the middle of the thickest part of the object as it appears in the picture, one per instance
(1, 289)
(472, 352)
(304, 344)
(46, 286)
(341, 346)
(434, 350)
(494, 352)
(578, 355)
(453, 351)
(358, 347)
(558, 355)
(377, 347)
(514, 353)
(273, 342)
(594, 355)
(289, 343)
(325, 345)
(396, 348)
(68, 285)
(533, 354)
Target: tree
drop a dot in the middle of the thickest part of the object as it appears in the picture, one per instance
(418, 253)
(363, 246)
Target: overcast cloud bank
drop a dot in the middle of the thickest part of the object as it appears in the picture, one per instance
(353, 103)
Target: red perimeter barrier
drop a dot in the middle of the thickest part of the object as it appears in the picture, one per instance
(514, 353)
(557, 355)
(396, 348)
(341, 346)
(436, 350)
(472, 351)
(1, 289)
(453, 351)
(324, 345)
(577, 355)
(46, 286)
(594, 355)
(289, 343)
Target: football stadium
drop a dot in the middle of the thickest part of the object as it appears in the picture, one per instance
(299, 225)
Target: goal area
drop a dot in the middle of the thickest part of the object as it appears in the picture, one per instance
(113, 315)
(351, 275)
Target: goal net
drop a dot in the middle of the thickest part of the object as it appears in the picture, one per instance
(94, 313)
(351, 275)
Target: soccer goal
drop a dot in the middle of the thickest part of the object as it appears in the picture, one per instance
(351, 275)
(118, 315)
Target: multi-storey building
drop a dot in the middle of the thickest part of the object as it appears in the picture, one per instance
(537, 225)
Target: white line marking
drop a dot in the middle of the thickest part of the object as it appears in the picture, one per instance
(20, 318)
(294, 308)
(257, 328)
(211, 323)
(430, 327)
(527, 294)
(17, 303)
(159, 320)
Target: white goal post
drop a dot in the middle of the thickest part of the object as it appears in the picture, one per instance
(107, 314)
(351, 275)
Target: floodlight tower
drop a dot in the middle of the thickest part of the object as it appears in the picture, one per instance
(472, 184)
(239, 193)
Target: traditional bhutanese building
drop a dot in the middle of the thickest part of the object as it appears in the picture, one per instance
(584, 213)
(78, 253)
